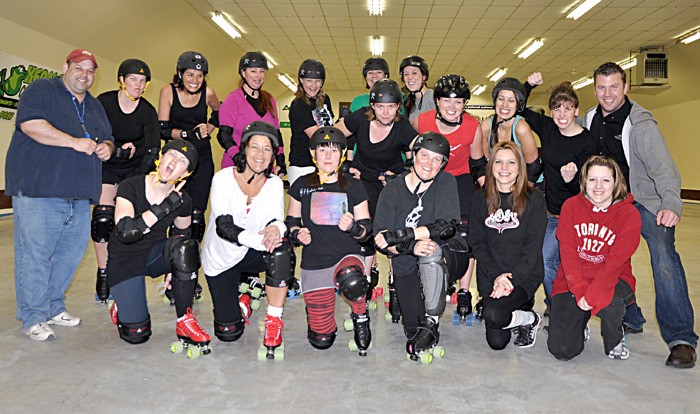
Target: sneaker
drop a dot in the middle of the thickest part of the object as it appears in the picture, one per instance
(620, 351)
(528, 335)
(40, 332)
(630, 330)
(64, 319)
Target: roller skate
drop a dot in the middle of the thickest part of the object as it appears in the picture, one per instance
(374, 292)
(168, 297)
(424, 344)
(479, 309)
(272, 346)
(198, 293)
(191, 337)
(620, 351)
(463, 313)
(113, 314)
(248, 305)
(294, 290)
(363, 335)
(252, 286)
(392, 304)
(101, 286)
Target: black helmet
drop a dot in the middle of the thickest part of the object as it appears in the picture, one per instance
(192, 60)
(138, 67)
(510, 84)
(312, 69)
(434, 142)
(252, 60)
(385, 91)
(375, 63)
(186, 148)
(416, 61)
(452, 86)
(328, 135)
(261, 128)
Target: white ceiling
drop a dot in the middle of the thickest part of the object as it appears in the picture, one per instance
(470, 37)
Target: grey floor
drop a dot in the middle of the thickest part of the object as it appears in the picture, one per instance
(89, 369)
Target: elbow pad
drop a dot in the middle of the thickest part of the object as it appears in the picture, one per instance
(225, 137)
(130, 229)
(214, 118)
(534, 170)
(442, 229)
(281, 162)
(477, 167)
(166, 131)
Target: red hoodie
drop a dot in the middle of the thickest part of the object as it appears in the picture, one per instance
(596, 248)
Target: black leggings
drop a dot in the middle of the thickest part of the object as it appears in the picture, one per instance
(198, 184)
(224, 287)
(498, 313)
(567, 322)
(465, 191)
(408, 287)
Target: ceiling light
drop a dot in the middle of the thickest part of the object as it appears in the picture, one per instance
(478, 90)
(376, 7)
(689, 37)
(497, 74)
(628, 63)
(377, 47)
(225, 25)
(287, 82)
(582, 82)
(531, 48)
(270, 62)
(581, 9)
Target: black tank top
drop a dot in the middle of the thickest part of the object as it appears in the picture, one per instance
(188, 118)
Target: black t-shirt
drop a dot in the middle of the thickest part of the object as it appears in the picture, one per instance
(372, 159)
(608, 130)
(139, 127)
(321, 208)
(188, 118)
(129, 260)
(557, 151)
(301, 117)
(399, 208)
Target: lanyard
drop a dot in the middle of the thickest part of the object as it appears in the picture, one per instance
(81, 115)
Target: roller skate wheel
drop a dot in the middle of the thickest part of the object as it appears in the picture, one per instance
(372, 306)
(352, 345)
(200, 299)
(439, 351)
(243, 288)
(255, 304)
(386, 298)
(193, 352)
(166, 300)
(426, 358)
(408, 357)
(256, 292)
(262, 354)
(347, 325)
(387, 316)
(176, 347)
(279, 355)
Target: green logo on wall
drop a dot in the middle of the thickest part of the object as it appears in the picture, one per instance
(284, 125)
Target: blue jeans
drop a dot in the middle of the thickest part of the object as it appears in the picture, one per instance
(674, 312)
(550, 253)
(51, 236)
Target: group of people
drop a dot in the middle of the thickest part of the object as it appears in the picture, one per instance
(396, 175)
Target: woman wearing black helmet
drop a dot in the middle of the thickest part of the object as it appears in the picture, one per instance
(417, 223)
(146, 207)
(467, 160)
(310, 110)
(245, 235)
(134, 124)
(328, 215)
(414, 74)
(248, 103)
(373, 70)
(506, 125)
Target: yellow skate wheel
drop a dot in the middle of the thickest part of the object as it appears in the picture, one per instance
(243, 288)
(352, 345)
(255, 304)
(256, 293)
(426, 358)
(279, 354)
(347, 325)
(387, 316)
(386, 297)
(262, 354)
(439, 351)
(372, 305)
(176, 347)
(193, 352)
(166, 300)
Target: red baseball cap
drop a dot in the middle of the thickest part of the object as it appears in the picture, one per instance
(78, 55)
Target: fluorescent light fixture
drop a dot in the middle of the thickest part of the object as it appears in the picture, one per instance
(478, 90)
(690, 37)
(582, 9)
(376, 7)
(531, 48)
(270, 62)
(497, 74)
(287, 82)
(377, 46)
(628, 63)
(225, 25)
(582, 82)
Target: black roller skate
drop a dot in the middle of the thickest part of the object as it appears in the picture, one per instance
(294, 290)
(373, 292)
(101, 286)
(479, 309)
(424, 344)
(168, 297)
(251, 284)
(463, 314)
(363, 335)
(392, 303)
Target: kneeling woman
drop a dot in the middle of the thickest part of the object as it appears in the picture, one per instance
(507, 223)
(598, 232)
(146, 207)
(244, 234)
(417, 223)
(328, 215)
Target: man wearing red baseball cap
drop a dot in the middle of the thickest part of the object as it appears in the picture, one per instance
(53, 172)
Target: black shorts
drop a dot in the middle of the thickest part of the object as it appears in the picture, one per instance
(114, 175)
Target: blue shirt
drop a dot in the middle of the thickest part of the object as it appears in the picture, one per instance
(47, 171)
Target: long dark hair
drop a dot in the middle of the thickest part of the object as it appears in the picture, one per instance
(265, 102)
(315, 181)
(520, 192)
(239, 159)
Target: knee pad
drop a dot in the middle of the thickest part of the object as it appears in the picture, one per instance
(102, 223)
(135, 333)
(280, 265)
(182, 254)
(228, 332)
(198, 225)
(433, 276)
(321, 341)
(349, 275)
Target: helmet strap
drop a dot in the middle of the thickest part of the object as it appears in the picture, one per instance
(438, 115)
(421, 181)
(123, 89)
